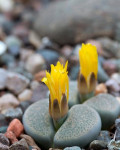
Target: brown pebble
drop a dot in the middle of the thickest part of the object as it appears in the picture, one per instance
(16, 127)
(38, 76)
(30, 141)
(100, 88)
(11, 136)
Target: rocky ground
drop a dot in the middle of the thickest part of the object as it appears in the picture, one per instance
(24, 57)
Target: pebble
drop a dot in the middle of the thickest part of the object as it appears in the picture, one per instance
(24, 105)
(11, 114)
(30, 141)
(4, 140)
(114, 145)
(112, 85)
(72, 148)
(16, 83)
(6, 5)
(116, 77)
(50, 56)
(8, 101)
(104, 136)
(3, 48)
(54, 149)
(11, 136)
(3, 78)
(8, 60)
(40, 75)
(3, 129)
(109, 67)
(13, 44)
(34, 39)
(4, 147)
(25, 95)
(35, 66)
(76, 50)
(117, 125)
(39, 93)
(98, 145)
(100, 88)
(3, 121)
(25, 54)
(16, 127)
(34, 84)
(66, 51)
(21, 145)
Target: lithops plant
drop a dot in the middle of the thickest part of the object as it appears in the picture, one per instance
(107, 106)
(50, 122)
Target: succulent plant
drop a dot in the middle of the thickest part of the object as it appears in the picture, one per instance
(60, 127)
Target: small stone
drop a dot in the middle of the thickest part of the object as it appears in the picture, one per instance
(17, 82)
(3, 78)
(25, 54)
(54, 149)
(72, 148)
(112, 85)
(13, 44)
(25, 95)
(7, 59)
(50, 56)
(4, 147)
(104, 136)
(109, 67)
(11, 136)
(3, 121)
(100, 88)
(76, 51)
(36, 65)
(21, 31)
(4, 140)
(39, 93)
(74, 72)
(40, 75)
(21, 145)
(98, 145)
(16, 127)
(34, 39)
(114, 145)
(30, 141)
(66, 51)
(24, 105)
(8, 101)
(117, 124)
(7, 5)
(3, 129)
(11, 114)
(3, 48)
(34, 84)
(102, 75)
(116, 77)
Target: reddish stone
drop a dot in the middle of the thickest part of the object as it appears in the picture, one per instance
(11, 136)
(38, 76)
(16, 127)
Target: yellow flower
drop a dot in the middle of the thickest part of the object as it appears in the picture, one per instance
(58, 84)
(88, 61)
